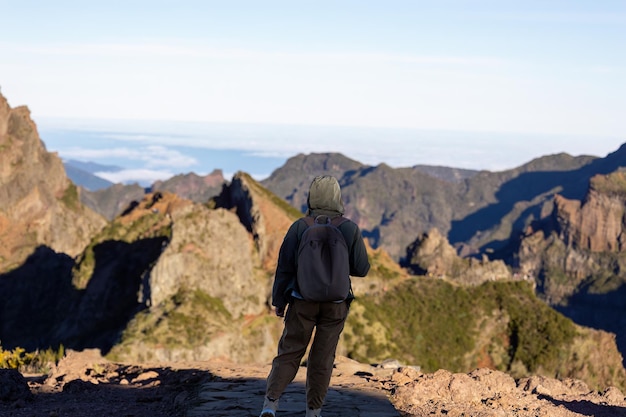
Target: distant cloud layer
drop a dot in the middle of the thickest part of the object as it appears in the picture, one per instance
(152, 156)
(140, 176)
(149, 150)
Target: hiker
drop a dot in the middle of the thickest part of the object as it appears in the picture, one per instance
(327, 317)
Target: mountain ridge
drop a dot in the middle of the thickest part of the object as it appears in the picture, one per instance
(84, 174)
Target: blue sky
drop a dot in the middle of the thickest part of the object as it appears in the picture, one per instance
(506, 80)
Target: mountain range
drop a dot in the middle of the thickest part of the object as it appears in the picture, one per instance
(468, 268)
(479, 211)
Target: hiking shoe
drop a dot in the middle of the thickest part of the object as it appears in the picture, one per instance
(269, 408)
(314, 412)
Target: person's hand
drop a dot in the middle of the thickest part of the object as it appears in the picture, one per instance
(280, 311)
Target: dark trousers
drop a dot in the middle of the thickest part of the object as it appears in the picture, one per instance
(302, 317)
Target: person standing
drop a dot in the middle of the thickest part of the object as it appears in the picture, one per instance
(302, 316)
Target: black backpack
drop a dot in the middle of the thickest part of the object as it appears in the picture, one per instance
(323, 261)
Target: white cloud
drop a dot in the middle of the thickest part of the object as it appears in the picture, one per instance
(153, 156)
(141, 176)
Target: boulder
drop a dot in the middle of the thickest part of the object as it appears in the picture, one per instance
(13, 386)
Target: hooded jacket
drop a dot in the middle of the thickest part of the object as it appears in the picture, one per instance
(324, 199)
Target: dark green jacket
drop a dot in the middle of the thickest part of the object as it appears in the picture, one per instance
(324, 199)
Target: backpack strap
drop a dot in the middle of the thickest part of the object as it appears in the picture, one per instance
(335, 221)
(310, 221)
(338, 221)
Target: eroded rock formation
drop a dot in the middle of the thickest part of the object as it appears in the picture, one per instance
(431, 254)
(38, 204)
(598, 223)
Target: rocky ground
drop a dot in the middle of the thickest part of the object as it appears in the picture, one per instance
(85, 384)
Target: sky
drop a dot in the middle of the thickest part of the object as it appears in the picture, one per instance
(479, 84)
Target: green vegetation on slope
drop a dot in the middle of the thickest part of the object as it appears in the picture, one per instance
(382, 267)
(613, 184)
(187, 320)
(435, 324)
(70, 197)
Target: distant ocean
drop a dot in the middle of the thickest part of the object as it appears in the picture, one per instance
(144, 151)
(145, 158)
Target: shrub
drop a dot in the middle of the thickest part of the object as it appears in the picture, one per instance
(38, 361)
(70, 197)
(537, 333)
(430, 322)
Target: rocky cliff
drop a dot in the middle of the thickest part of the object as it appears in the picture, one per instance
(432, 255)
(578, 256)
(580, 240)
(205, 292)
(264, 215)
(38, 204)
(598, 223)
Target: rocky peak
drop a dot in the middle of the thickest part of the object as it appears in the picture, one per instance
(193, 187)
(266, 216)
(292, 180)
(38, 204)
(23, 157)
(598, 223)
(200, 255)
(431, 254)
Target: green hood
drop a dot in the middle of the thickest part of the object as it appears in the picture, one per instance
(325, 197)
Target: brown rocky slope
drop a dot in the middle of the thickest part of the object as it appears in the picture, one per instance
(38, 204)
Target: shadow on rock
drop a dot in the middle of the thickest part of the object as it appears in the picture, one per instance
(101, 389)
(588, 408)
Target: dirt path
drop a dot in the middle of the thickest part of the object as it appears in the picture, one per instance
(239, 391)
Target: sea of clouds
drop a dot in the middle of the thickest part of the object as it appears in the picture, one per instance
(146, 151)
